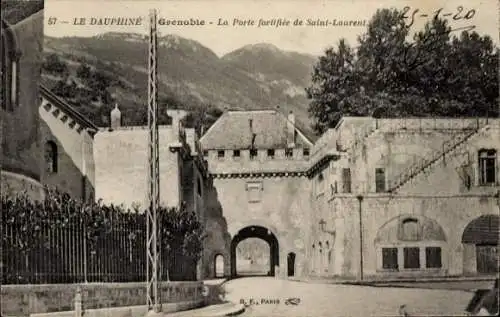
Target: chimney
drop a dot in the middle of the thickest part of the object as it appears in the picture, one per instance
(116, 118)
(290, 130)
(177, 116)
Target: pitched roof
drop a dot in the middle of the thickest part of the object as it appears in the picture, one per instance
(232, 131)
(65, 107)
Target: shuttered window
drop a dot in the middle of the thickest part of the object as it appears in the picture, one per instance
(411, 258)
(390, 258)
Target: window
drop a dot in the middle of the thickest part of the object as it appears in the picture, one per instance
(205, 153)
(199, 186)
(379, 180)
(411, 258)
(253, 154)
(433, 257)
(487, 167)
(254, 190)
(270, 153)
(289, 153)
(51, 157)
(390, 258)
(346, 180)
(409, 230)
(220, 153)
(236, 153)
(10, 69)
(305, 152)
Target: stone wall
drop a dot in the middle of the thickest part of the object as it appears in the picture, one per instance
(218, 239)
(437, 195)
(20, 125)
(121, 160)
(75, 157)
(23, 300)
(452, 214)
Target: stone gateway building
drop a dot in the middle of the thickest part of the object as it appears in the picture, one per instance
(371, 198)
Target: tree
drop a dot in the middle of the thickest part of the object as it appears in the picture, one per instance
(54, 65)
(181, 238)
(83, 71)
(437, 73)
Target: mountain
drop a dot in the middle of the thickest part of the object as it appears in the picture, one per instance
(190, 74)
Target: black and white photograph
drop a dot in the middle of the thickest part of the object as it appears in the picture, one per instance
(252, 158)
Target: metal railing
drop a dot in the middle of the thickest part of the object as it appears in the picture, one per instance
(40, 246)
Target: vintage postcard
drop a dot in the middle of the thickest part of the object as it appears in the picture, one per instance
(253, 158)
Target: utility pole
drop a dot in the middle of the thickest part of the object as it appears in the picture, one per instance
(152, 249)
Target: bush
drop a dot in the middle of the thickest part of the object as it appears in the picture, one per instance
(62, 240)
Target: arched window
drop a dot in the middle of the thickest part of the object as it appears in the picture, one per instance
(410, 230)
(10, 68)
(487, 166)
(51, 157)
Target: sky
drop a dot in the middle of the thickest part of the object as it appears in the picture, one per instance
(224, 39)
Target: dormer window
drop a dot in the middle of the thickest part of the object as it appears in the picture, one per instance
(220, 153)
(270, 153)
(289, 153)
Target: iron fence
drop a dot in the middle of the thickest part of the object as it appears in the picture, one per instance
(42, 247)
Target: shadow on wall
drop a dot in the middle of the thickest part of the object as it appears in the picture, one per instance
(218, 241)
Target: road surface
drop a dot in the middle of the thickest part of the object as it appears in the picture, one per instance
(267, 296)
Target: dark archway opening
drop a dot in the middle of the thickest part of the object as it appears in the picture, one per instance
(291, 264)
(219, 265)
(260, 233)
(483, 234)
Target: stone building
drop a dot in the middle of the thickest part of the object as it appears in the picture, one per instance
(407, 197)
(259, 161)
(22, 42)
(371, 198)
(67, 143)
(121, 176)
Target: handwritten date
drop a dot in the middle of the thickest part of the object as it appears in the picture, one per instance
(412, 15)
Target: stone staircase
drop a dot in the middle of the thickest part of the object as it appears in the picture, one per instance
(420, 166)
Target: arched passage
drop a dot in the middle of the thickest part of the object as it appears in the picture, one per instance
(219, 265)
(256, 232)
(480, 239)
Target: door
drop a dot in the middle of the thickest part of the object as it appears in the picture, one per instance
(291, 264)
(219, 265)
(487, 259)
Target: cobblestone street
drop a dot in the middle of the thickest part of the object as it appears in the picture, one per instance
(267, 297)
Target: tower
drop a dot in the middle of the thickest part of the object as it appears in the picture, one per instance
(152, 247)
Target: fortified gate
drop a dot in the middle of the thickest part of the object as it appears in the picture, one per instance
(260, 163)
